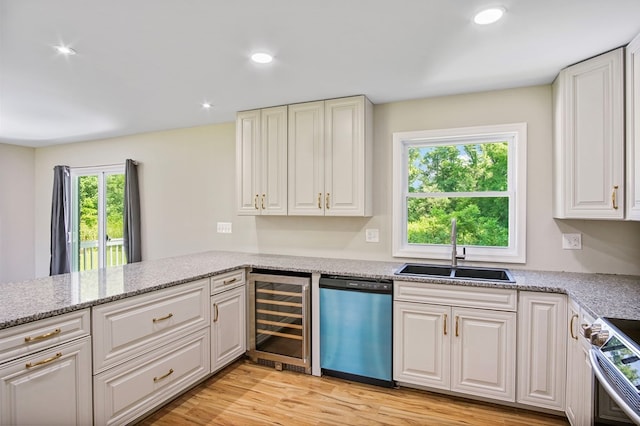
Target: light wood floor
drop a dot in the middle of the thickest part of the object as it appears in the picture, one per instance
(249, 394)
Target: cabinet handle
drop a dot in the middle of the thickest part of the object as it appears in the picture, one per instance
(445, 324)
(215, 316)
(163, 318)
(573, 318)
(255, 202)
(263, 195)
(326, 201)
(42, 336)
(44, 361)
(231, 281)
(614, 202)
(319, 200)
(157, 379)
(457, 321)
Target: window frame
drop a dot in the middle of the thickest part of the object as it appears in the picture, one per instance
(101, 172)
(516, 136)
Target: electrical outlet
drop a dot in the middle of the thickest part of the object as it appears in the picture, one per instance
(572, 241)
(224, 227)
(372, 236)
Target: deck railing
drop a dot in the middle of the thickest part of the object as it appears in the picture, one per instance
(89, 254)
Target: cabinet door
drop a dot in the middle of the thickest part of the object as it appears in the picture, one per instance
(347, 173)
(421, 344)
(590, 142)
(228, 332)
(483, 350)
(542, 340)
(273, 162)
(633, 128)
(574, 370)
(247, 162)
(306, 159)
(50, 387)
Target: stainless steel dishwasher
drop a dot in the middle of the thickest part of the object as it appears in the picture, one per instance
(356, 329)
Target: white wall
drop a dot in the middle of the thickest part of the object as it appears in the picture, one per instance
(187, 185)
(16, 213)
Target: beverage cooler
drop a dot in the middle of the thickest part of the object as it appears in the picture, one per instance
(279, 327)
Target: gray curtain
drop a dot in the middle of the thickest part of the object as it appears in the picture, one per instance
(132, 243)
(60, 221)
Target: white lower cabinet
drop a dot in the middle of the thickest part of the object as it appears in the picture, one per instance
(51, 387)
(422, 349)
(228, 327)
(128, 391)
(148, 349)
(458, 348)
(580, 382)
(542, 338)
(483, 353)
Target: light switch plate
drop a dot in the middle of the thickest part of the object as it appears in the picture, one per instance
(224, 227)
(372, 235)
(572, 241)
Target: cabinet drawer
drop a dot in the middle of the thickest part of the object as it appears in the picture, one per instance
(473, 297)
(227, 280)
(126, 328)
(132, 389)
(42, 334)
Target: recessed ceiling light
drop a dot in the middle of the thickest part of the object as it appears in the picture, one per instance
(65, 50)
(206, 105)
(489, 16)
(261, 58)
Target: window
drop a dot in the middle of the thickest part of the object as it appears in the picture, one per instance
(476, 175)
(97, 217)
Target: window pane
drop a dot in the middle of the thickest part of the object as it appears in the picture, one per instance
(458, 168)
(88, 222)
(115, 216)
(481, 221)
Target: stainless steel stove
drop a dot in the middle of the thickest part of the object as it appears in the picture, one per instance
(615, 358)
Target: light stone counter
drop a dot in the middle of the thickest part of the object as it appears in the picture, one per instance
(22, 302)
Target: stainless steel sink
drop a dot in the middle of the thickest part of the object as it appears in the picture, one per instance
(459, 272)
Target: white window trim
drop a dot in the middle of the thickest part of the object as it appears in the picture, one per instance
(516, 252)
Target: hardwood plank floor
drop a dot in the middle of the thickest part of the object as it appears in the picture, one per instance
(248, 394)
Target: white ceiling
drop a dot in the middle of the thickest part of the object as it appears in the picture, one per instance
(146, 65)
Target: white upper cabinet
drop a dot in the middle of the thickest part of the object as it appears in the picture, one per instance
(633, 128)
(306, 159)
(330, 145)
(261, 161)
(347, 168)
(589, 139)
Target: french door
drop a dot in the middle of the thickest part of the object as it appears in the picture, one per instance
(97, 218)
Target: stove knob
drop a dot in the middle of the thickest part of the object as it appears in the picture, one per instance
(600, 338)
(588, 330)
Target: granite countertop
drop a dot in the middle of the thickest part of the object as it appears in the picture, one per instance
(21, 302)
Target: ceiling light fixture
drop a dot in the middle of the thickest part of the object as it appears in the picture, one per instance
(261, 58)
(65, 50)
(206, 105)
(489, 16)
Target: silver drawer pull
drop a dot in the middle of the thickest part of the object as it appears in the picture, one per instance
(157, 379)
(44, 361)
(231, 281)
(42, 336)
(166, 317)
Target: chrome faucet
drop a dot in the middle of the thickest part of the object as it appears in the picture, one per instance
(454, 245)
